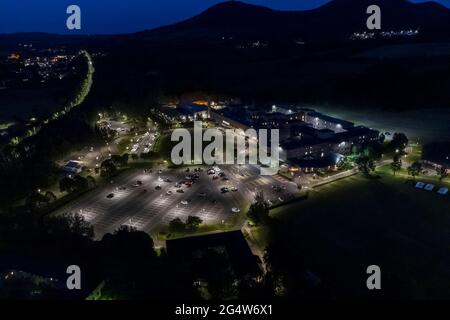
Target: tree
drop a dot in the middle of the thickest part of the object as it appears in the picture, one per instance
(91, 181)
(356, 149)
(130, 263)
(73, 223)
(396, 164)
(81, 183)
(120, 161)
(213, 266)
(373, 151)
(365, 164)
(399, 142)
(285, 266)
(125, 158)
(415, 169)
(36, 200)
(192, 223)
(176, 225)
(50, 196)
(67, 184)
(258, 213)
(107, 168)
(381, 138)
(442, 173)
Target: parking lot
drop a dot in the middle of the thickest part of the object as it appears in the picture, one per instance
(146, 200)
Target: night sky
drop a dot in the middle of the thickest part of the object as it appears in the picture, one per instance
(118, 16)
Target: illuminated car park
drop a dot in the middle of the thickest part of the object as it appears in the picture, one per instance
(146, 210)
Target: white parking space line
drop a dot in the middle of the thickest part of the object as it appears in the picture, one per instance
(145, 208)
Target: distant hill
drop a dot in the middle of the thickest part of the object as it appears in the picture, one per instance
(336, 20)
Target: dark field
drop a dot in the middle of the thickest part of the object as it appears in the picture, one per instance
(351, 224)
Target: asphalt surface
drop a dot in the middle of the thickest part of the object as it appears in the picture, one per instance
(146, 208)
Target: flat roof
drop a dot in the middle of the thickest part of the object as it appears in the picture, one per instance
(73, 164)
(331, 119)
(192, 108)
(328, 160)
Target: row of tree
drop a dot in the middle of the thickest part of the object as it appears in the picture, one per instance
(191, 225)
(77, 183)
(109, 166)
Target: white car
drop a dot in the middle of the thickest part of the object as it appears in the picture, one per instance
(235, 210)
(184, 202)
(169, 192)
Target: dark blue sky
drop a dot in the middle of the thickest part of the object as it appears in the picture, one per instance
(118, 16)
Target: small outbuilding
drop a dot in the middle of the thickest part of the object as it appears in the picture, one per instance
(73, 166)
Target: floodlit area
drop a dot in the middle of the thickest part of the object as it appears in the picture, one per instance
(148, 199)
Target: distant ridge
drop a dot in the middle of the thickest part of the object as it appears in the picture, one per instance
(335, 20)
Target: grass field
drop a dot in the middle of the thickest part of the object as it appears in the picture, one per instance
(356, 222)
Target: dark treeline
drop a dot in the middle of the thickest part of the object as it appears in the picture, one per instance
(125, 262)
(30, 164)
